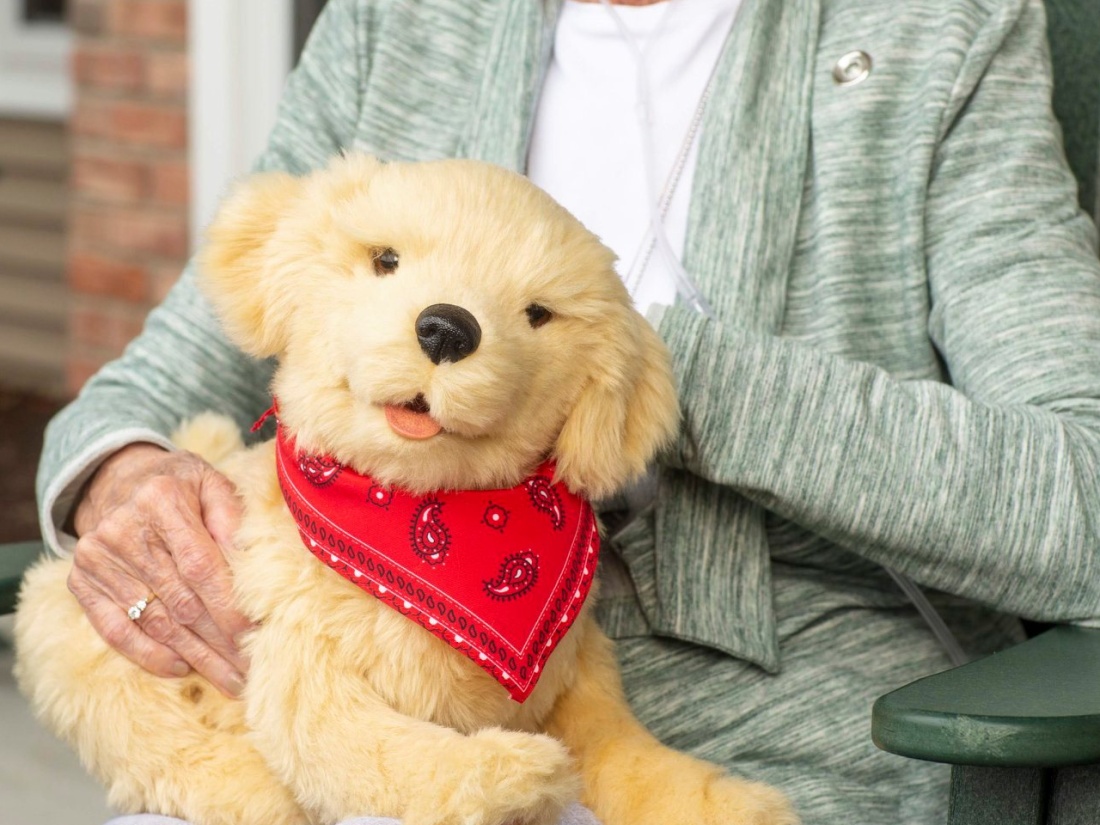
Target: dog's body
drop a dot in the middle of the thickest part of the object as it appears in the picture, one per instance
(350, 707)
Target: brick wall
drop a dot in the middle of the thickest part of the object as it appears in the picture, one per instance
(128, 228)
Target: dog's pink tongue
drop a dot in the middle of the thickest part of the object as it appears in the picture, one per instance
(410, 424)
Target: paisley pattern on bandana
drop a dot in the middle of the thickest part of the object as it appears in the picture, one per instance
(430, 537)
(499, 575)
(318, 470)
(545, 498)
(518, 574)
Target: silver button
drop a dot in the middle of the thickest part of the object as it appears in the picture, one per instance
(853, 68)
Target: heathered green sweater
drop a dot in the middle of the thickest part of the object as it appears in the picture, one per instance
(905, 369)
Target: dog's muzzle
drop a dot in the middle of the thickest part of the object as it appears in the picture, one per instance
(447, 332)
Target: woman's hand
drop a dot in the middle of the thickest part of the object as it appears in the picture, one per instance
(153, 522)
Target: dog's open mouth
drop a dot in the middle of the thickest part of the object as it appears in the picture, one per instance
(413, 419)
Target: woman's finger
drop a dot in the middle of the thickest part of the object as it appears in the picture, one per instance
(159, 626)
(114, 587)
(201, 566)
(143, 530)
(221, 512)
(127, 560)
(221, 508)
(172, 542)
(120, 633)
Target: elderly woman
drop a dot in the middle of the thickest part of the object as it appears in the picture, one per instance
(852, 223)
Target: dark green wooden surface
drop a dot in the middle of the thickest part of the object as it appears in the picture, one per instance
(998, 796)
(1024, 796)
(1075, 796)
(14, 559)
(1074, 30)
(1035, 705)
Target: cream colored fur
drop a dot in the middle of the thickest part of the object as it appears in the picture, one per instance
(350, 708)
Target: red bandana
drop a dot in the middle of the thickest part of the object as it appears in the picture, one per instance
(499, 575)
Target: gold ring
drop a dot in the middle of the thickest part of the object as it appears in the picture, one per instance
(138, 607)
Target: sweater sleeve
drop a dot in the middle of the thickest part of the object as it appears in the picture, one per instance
(182, 363)
(987, 487)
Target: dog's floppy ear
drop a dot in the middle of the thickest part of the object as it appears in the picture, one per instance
(625, 415)
(235, 268)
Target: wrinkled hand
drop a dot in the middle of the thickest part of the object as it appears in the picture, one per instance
(156, 522)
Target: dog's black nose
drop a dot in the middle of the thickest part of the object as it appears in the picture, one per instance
(447, 332)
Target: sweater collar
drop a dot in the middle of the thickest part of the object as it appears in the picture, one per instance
(518, 57)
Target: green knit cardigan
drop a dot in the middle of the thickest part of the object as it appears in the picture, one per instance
(905, 365)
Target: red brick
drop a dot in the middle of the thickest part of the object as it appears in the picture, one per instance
(132, 123)
(87, 16)
(167, 74)
(131, 231)
(90, 118)
(86, 327)
(128, 229)
(80, 366)
(162, 279)
(170, 184)
(109, 328)
(97, 275)
(110, 180)
(150, 125)
(113, 68)
(156, 20)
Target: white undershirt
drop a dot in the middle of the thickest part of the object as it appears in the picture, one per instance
(586, 148)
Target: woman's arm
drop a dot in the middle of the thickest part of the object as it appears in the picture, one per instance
(154, 521)
(990, 488)
(182, 363)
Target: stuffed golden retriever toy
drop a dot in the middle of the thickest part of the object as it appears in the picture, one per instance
(439, 327)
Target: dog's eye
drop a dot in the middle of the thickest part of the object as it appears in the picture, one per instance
(385, 262)
(538, 315)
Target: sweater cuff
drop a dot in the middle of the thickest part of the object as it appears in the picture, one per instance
(682, 330)
(60, 496)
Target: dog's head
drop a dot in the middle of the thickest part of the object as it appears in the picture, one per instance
(440, 325)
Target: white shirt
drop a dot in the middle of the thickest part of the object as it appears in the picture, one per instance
(587, 147)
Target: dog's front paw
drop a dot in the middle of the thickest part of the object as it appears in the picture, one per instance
(501, 778)
(622, 791)
(727, 800)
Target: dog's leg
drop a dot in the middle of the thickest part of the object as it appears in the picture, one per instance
(171, 746)
(632, 779)
(346, 753)
(212, 436)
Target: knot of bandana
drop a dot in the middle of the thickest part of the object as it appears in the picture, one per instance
(499, 575)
